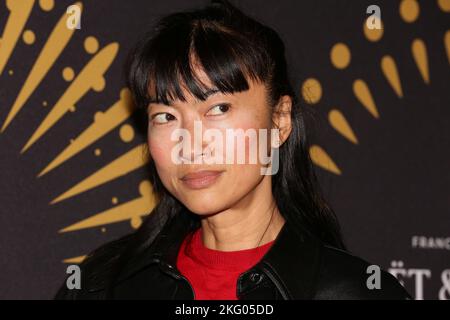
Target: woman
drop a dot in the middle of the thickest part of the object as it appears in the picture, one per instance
(225, 230)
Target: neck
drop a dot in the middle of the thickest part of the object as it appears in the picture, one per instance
(253, 221)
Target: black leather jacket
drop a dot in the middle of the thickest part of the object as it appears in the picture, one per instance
(297, 266)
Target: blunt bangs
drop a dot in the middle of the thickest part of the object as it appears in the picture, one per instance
(168, 60)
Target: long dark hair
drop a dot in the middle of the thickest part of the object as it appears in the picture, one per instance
(231, 48)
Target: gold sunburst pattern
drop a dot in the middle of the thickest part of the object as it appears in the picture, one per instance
(91, 77)
(113, 116)
(340, 56)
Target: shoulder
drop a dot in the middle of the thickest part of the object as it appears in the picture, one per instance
(96, 270)
(343, 275)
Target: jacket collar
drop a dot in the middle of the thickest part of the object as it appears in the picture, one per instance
(165, 247)
(292, 260)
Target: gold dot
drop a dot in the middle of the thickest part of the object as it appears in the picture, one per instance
(72, 109)
(409, 10)
(114, 200)
(311, 91)
(46, 5)
(340, 55)
(91, 45)
(126, 133)
(444, 5)
(374, 34)
(97, 152)
(68, 74)
(44, 103)
(71, 140)
(28, 37)
(103, 229)
(10, 72)
(145, 188)
(136, 222)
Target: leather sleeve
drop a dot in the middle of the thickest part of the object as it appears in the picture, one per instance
(343, 276)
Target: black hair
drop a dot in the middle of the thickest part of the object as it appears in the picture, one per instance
(231, 48)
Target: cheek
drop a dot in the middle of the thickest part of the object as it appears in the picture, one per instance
(251, 124)
(246, 176)
(160, 150)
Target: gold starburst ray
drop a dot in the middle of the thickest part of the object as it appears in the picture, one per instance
(103, 123)
(126, 163)
(340, 124)
(130, 210)
(55, 44)
(19, 13)
(91, 77)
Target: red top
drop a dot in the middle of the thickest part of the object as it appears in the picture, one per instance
(213, 274)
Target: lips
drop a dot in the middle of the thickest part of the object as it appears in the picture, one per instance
(201, 179)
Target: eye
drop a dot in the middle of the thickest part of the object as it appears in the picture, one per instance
(219, 109)
(162, 118)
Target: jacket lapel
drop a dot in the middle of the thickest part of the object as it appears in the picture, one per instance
(293, 261)
(165, 247)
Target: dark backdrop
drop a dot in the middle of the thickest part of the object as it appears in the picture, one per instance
(379, 128)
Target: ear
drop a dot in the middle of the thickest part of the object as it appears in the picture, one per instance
(281, 118)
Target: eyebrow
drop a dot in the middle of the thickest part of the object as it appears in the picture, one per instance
(207, 93)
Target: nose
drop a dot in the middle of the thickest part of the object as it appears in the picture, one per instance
(196, 149)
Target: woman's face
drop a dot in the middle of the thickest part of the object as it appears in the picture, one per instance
(206, 188)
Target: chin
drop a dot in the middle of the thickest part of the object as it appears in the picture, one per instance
(204, 206)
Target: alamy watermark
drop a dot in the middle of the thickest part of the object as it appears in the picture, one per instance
(221, 149)
(374, 20)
